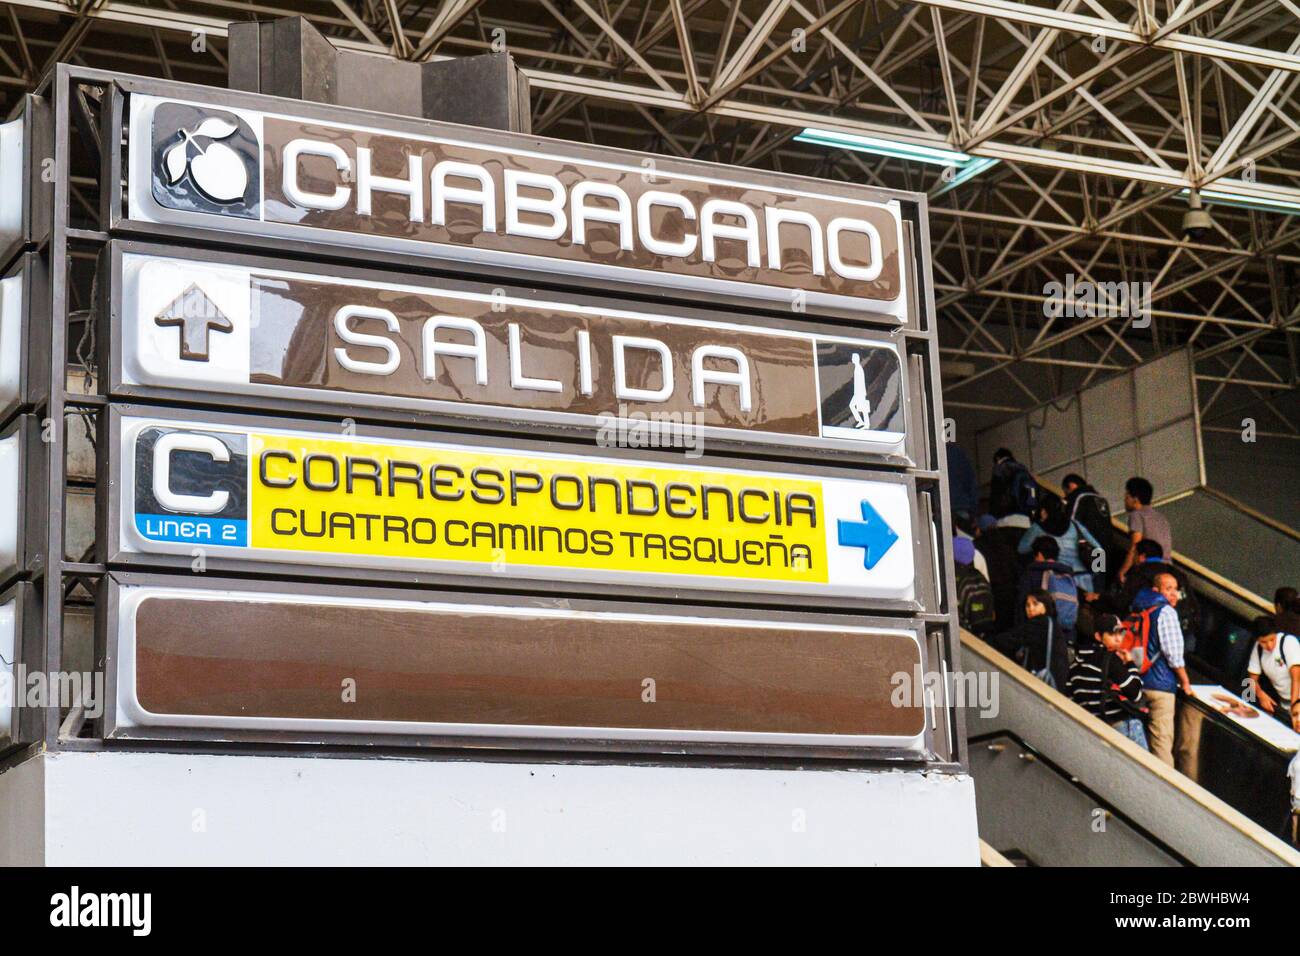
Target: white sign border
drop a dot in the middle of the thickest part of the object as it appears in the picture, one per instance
(900, 512)
(130, 714)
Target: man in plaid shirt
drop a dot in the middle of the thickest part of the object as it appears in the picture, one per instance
(1168, 670)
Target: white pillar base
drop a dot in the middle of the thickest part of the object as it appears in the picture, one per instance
(123, 809)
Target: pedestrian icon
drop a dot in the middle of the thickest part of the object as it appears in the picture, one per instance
(859, 405)
(861, 391)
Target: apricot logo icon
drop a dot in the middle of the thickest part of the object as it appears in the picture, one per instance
(205, 160)
(214, 168)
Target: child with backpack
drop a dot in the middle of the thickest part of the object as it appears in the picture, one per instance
(1104, 680)
(1048, 573)
(1037, 641)
(974, 595)
(1076, 547)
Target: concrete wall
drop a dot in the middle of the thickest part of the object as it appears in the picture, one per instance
(140, 808)
(1263, 474)
(22, 814)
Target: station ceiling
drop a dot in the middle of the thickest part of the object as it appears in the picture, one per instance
(1104, 118)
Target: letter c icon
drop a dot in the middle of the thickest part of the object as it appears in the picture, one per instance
(214, 448)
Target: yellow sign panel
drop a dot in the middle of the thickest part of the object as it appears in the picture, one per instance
(297, 496)
(349, 497)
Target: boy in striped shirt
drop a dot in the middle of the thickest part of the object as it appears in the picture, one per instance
(1105, 682)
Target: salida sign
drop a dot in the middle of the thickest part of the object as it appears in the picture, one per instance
(483, 351)
(519, 201)
(285, 495)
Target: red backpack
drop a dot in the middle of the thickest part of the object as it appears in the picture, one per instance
(1137, 636)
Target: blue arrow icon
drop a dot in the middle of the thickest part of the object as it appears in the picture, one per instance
(872, 534)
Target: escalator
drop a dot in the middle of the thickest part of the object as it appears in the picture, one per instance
(1055, 786)
(1066, 823)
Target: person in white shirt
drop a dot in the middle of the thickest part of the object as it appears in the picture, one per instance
(1293, 774)
(1276, 656)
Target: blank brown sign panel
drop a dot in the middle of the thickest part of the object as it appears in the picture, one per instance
(301, 665)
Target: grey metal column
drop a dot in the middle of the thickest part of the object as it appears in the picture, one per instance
(289, 57)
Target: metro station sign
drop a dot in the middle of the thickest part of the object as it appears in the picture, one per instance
(516, 201)
(287, 495)
(14, 303)
(13, 179)
(473, 350)
(19, 631)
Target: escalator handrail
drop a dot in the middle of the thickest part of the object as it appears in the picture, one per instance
(1244, 595)
(991, 857)
(1106, 734)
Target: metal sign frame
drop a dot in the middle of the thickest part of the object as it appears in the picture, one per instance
(24, 726)
(85, 109)
(330, 244)
(385, 408)
(26, 430)
(595, 739)
(117, 481)
(30, 277)
(35, 178)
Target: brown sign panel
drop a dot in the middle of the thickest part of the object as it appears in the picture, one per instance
(484, 351)
(516, 200)
(304, 665)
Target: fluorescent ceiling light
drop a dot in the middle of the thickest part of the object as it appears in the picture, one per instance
(1227, 198)
(969, 171)
(884, 147)
(967, 166)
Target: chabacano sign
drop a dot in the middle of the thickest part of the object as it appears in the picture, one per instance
(515, 200)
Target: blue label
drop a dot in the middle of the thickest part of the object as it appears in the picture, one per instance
(194, 530)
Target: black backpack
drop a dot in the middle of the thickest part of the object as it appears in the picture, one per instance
(1092, 511)
(1014, 490)
(974, 601)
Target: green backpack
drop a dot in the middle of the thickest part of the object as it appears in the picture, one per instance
(974, 601)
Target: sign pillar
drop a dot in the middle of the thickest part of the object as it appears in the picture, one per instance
(450, 440)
